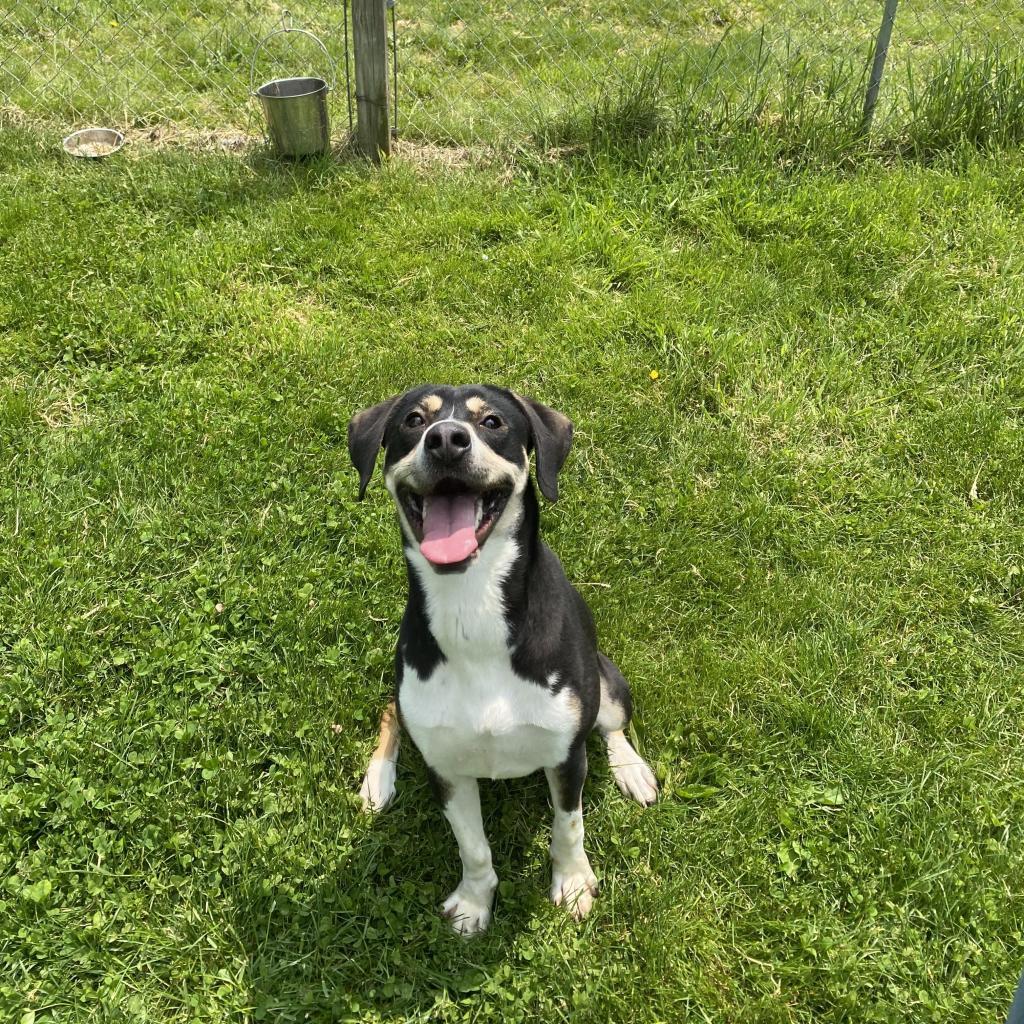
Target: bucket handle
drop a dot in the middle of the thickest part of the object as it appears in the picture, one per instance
(284, 31)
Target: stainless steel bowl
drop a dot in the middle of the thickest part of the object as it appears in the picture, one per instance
(92, 143)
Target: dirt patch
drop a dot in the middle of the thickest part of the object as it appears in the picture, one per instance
(429, 157)
(158, 136)
(13, 116)
(169, 136)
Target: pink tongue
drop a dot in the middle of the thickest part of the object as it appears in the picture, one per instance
(449, 528)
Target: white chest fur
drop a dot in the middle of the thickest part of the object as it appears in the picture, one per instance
(483, 721)
(474, 716)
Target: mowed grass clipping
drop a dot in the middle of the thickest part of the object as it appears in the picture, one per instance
(802, 542)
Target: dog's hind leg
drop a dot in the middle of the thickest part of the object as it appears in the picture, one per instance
(632, 773)
(378, 788)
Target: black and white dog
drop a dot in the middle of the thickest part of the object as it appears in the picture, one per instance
(498, 671)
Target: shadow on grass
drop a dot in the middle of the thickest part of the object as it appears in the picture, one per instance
(368, 933)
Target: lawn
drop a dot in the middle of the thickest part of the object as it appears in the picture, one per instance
(481, 72)
(802, 541)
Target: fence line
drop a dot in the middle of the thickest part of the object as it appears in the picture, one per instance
(485, 71)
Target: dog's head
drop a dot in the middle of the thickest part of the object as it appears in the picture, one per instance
(456, 461)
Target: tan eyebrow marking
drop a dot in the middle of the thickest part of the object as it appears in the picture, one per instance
(432, 403)
(475, 404)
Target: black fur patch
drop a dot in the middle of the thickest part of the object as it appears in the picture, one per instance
(551, 629)
(570, 776)
(416, 644)
(440, 788)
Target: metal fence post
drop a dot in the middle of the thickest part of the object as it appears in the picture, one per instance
(878, 65)
(370, 42)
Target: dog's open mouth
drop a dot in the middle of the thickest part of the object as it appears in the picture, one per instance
(453, 521)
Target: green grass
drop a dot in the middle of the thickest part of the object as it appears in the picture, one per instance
(495, 72)
(802, 543)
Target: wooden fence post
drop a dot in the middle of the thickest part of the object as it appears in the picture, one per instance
(370, 42)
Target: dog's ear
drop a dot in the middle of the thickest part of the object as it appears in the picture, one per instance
(551, 435)
(365, 436)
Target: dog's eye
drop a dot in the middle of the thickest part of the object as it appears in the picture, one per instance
(491, 422)
(414, 419)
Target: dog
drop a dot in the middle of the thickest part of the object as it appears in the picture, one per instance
(498, 672)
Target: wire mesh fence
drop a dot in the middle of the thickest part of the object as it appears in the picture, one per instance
(140, 63)
(474, 72)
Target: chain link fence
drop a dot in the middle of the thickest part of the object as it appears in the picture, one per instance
(473, 72)
(144, 64)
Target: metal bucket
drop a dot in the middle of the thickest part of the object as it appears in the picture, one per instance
(295, 108)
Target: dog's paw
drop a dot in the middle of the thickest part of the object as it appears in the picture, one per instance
(378, 788)
(467, 915)
(574, 888)
(636, 780)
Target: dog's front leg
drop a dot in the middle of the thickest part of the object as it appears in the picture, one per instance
(469, 907)
(378, 788)
(572, 880)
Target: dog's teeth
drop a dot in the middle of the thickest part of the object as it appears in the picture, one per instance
(479, 512)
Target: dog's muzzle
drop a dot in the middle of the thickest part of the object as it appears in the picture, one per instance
(452, 519)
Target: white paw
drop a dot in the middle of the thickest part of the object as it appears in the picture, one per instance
(575, 887)
(378, 788)
(467, 915)
(635, 778)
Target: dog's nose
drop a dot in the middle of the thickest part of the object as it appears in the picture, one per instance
(447, 442)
